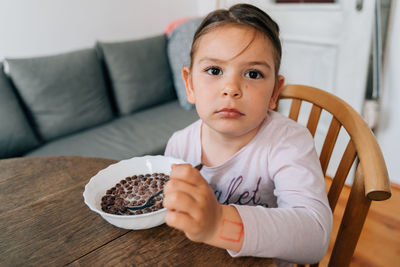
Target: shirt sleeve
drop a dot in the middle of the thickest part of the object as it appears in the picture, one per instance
(298, 230)
(170, 150)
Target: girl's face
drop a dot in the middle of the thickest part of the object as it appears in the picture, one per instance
(232, 80)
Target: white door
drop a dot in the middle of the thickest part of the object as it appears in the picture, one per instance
(327, 46)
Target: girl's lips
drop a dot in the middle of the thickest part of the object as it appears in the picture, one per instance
(229, 113)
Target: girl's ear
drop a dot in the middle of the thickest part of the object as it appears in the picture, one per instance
(275, 94)
(187, 78)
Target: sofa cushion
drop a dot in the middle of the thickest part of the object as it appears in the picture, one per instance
(64, 93)
(16, 135)
(143, 133)
(179, 45)
(139, 72)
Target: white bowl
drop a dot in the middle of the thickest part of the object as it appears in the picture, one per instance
(105, 179)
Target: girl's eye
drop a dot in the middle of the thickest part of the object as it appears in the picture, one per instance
(214, 71)
(253, 74)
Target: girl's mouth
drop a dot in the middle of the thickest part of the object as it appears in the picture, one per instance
(229, 113)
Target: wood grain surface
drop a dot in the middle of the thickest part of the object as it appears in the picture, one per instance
(45, 222)
(163, 246)
(43, 219)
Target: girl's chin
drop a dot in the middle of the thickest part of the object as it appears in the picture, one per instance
(229, 129)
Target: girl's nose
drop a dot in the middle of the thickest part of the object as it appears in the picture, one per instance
(232, 90)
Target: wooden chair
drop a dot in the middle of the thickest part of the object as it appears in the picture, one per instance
(371, 182)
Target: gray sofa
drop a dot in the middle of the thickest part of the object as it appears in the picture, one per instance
(115, 100)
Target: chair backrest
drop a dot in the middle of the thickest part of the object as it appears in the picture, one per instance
(371, 181)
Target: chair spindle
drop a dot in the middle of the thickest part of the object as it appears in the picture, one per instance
(313, 119)
(295, 109)
(329, 144)
(342, 171)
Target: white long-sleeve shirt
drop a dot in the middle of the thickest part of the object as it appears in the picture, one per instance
(276, 184)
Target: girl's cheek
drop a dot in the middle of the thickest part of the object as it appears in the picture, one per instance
(207, 79)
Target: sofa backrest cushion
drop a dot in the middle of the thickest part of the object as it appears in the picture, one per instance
(16, 134)
(139, 72)
(64, 93)
(179, 44)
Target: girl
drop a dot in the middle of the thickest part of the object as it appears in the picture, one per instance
(261, 191)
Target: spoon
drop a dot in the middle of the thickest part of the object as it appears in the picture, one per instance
(149, 201)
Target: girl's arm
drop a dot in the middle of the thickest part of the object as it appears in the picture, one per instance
(193, 209)
(298, 229)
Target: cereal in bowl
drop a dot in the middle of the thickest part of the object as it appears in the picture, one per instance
(134, 191)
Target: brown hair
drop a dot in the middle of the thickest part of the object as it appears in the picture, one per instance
(241, 14)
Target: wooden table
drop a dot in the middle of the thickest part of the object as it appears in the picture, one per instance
(44, 221)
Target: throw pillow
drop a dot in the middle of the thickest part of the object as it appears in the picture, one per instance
(179, 44)
(16, 135)
(64, 93)
(139, 73)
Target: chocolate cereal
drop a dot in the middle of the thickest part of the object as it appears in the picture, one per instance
(134, 191)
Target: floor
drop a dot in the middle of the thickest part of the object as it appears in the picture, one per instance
(379, 243)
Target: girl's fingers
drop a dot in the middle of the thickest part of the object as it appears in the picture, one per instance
(179, 220)
(182, 202)
(187, 173)
(174, 185)
(177, 185)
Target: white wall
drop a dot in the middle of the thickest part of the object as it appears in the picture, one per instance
(42, 27)
(206, 6)
(388, 131)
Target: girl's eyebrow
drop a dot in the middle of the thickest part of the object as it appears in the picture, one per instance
(220, 61)
(216, 60)
(262, 63)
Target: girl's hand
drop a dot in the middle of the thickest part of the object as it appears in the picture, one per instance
(191, 203)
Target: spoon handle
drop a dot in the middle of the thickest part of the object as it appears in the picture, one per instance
(198, 166)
